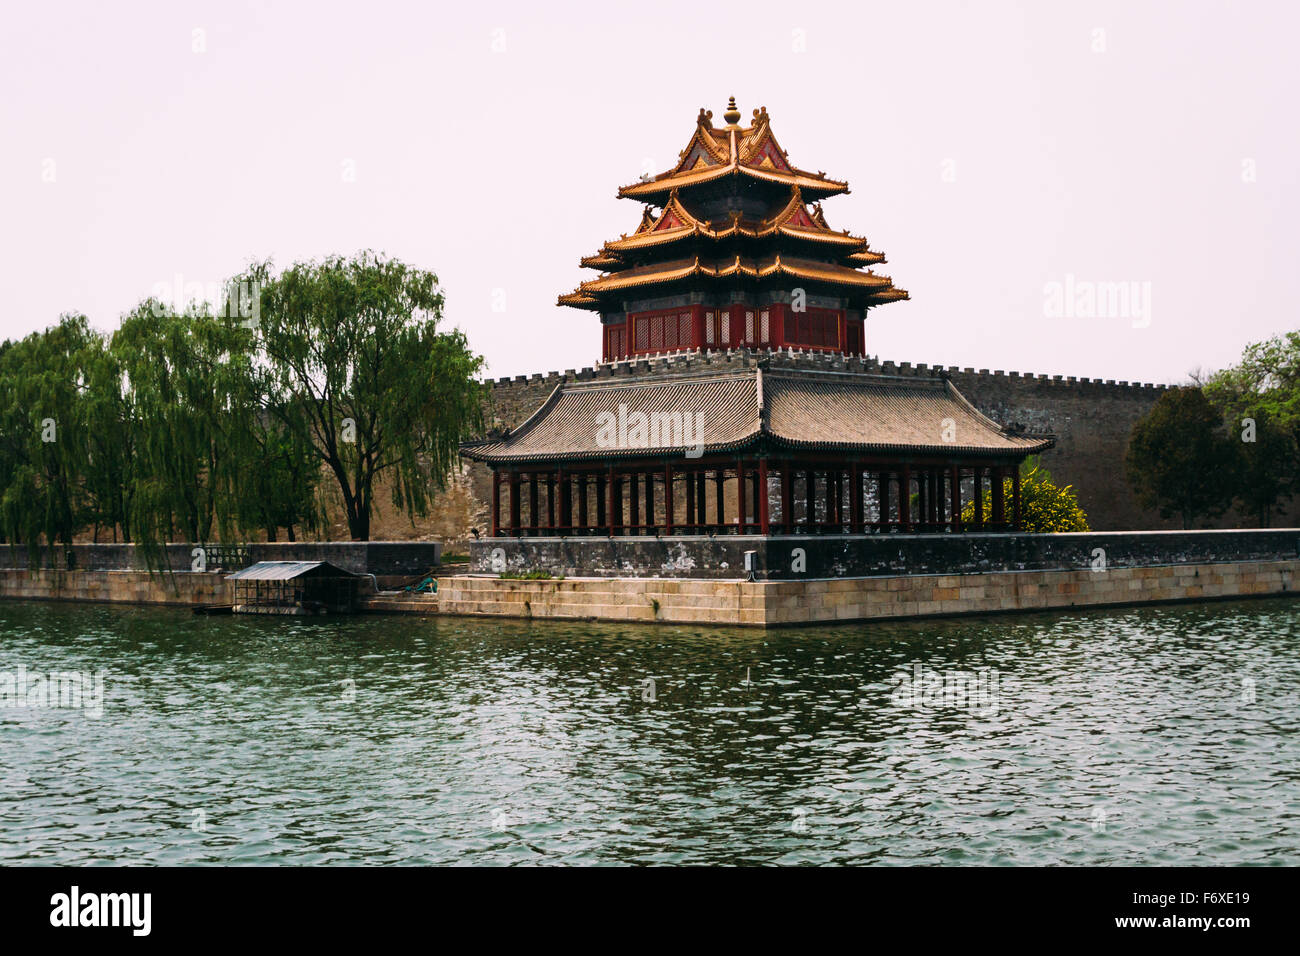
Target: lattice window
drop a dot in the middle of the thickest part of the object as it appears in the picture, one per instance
(656, 333)
(749, 327)
(818, 328)
(764, 323)
(670, 332)
(855, 338)
(642, 334)
(710, 327)
(685, 334)
(725, 318)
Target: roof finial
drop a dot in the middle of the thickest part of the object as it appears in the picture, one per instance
(732, 116)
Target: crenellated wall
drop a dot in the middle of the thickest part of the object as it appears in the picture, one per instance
(1091, 418)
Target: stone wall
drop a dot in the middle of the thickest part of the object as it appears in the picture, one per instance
(777, 603)
(115, 587)
(800, 557)
(1091, 419)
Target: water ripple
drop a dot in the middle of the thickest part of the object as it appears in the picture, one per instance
(1167, 735)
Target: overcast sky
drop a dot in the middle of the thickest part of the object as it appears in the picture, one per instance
(1003, 155)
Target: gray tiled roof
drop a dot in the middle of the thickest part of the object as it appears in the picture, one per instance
(798, 408)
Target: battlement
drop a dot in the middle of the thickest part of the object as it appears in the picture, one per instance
(728, 358)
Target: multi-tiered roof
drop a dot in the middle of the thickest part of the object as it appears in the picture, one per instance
(734, 213)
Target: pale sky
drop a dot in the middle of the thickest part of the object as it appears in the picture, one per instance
(991, 149)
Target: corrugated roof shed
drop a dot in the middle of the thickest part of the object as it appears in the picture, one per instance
(289, 570)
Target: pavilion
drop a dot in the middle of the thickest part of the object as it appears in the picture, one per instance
(729, 258)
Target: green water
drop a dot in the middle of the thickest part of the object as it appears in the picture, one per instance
(1151, 736)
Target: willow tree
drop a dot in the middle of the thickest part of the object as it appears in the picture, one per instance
(184, 374)
(43, 415)
(352, 363)
(112, 432)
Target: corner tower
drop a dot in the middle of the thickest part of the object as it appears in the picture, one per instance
(733, 250)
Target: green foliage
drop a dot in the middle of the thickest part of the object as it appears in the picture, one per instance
(201, 426)
(1180, 459)
(357, 370)
(43, 417)
(1259, 399)
(1266, 380)
(1044, 507)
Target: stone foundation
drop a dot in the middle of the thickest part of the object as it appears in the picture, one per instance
(776, 603)
(116, 587)
(802, 557)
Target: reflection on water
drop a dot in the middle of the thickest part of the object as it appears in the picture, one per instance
(1167, 735)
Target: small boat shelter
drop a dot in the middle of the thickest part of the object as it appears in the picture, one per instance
(294, 587)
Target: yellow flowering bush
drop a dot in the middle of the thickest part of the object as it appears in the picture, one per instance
(1044, 508)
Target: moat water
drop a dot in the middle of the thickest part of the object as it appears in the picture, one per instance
(1154, 736)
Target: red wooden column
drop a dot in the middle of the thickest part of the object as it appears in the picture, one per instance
(534, 519)
(835, 491)
(550, 501)
(883, 496)
(668, 499)
(562, 493)
(905, 498)
(582, 501)
(514, 504)
(650, 500)
(633, 501)
(938, 497)
(720, 488)
(496, 503)
(954, 482)
(701, 497)
(810, 494)
(740, 495)
(1015, 497)
(979, 498)
(602, 500)
(690, 499)
(999, 509)
(855, 497)
(614, 508)
(764, 525)
(787, 496)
